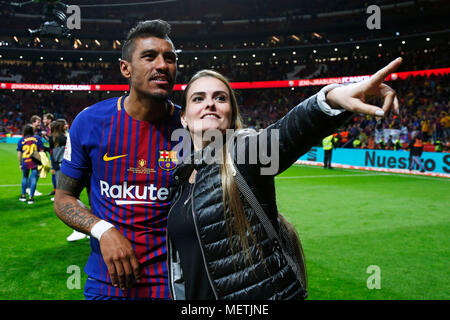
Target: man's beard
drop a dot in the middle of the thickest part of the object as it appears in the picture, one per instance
(158, 97)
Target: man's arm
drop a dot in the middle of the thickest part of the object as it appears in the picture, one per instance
(67, 207)
(116, 250)
(19, 157)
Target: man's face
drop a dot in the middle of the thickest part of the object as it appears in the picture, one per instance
(46, 121)
(36, 124)
(153, 68)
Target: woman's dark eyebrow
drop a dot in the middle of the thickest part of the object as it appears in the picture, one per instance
(202, 93)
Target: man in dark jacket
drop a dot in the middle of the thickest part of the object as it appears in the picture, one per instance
(416, 149)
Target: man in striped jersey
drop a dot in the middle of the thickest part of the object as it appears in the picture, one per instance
(121, 143)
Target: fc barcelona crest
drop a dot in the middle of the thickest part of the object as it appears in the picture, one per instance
(167, 160)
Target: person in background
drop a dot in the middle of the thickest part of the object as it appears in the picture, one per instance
(416, 149)
(438, 145)
(26, 146)
(47, 120)
(58, 138)
(36, 123)
(328, 143)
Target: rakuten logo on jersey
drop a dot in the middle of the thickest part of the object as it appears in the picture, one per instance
(132, 194)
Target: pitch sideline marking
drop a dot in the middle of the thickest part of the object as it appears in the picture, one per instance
(19, 185)
(334, 176)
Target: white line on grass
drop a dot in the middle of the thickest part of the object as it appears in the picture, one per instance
(335, 176)
(19, 185)
(381, 173)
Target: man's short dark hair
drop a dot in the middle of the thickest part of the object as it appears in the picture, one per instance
(149, 28)
(49, 116)
(35, 118)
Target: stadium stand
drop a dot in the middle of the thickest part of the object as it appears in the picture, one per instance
(255, 41)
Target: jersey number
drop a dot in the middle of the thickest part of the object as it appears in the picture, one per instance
(28, 150)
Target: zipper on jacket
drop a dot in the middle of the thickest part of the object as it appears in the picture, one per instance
(169, 252)
(200, 244)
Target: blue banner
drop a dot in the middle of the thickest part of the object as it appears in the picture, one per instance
(435, 162)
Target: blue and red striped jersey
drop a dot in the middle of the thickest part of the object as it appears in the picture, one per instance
(130, 164)
(28, 145)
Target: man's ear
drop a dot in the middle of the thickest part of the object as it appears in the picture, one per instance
(125, 68)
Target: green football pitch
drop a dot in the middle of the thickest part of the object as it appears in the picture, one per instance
(366, 235)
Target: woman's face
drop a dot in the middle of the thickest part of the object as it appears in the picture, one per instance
(208, 106)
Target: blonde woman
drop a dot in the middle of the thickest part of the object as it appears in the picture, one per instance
(217, 246)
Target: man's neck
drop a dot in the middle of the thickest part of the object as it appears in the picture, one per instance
(145, 108)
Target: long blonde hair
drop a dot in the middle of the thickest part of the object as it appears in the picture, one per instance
(236, 219)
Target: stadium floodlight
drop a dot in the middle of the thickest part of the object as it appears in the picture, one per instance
(403, 42)
(428, 39)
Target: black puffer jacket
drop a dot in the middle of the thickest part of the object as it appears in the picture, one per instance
(230, 275)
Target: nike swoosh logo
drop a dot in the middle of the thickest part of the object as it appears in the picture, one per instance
(106, 158)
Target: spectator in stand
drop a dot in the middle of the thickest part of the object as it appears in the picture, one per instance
(445, 122)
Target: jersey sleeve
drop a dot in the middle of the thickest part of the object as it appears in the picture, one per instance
(40, 144)
(76, 156)
(19, 145)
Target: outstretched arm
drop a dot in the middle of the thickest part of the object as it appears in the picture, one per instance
(117, 251)
(353, 97)
(313, 119)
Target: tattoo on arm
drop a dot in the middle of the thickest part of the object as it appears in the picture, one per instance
(76, 216)
(69, 209)
(70, 185)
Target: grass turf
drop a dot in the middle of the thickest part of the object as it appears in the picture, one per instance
(348, 220)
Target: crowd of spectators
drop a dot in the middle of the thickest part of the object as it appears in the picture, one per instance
(292, 65)
(425, 111)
